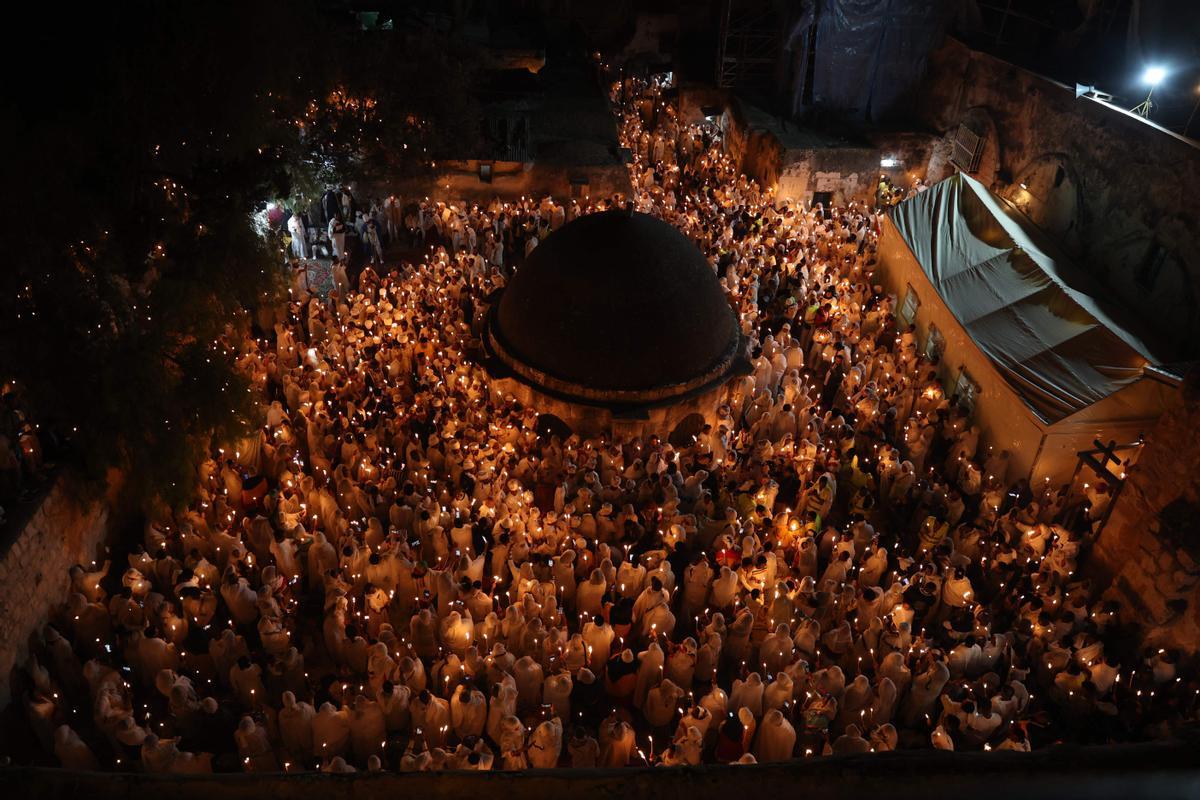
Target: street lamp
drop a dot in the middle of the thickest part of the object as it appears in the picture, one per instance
(1152, 77)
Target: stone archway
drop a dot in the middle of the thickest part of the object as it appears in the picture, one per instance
(683, 434)
(1149, 272)
(1048, 191)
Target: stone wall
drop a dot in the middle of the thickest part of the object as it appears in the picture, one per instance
(848, 174)
(33, 570)
(918, 154)
(654, 36)
(798, 162)
(1150, 547)
(695, 98)
(1118, 192)
(459, 181)
(1127, 772)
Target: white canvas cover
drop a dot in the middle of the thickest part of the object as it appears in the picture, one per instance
(1031, 313)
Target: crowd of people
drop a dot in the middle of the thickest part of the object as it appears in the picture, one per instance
(889, 193)
(336, 228)
(403, 571)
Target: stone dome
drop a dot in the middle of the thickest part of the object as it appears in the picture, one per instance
(616, 308)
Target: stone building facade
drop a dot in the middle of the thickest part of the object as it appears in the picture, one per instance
(1149, 550)
(800, 163)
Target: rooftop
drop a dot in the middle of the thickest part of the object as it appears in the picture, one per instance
(616, 307)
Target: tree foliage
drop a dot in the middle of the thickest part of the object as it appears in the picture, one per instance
(138, 173)
(412, 106)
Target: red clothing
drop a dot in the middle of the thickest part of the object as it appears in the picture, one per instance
(729, 750)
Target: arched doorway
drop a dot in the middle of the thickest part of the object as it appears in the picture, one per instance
(1152, 277)
(549, 425)
(687, 430)
(1048, 192)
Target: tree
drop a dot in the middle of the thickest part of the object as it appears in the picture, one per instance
(137, 174)
(394, 103)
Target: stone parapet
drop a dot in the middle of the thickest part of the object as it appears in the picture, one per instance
(64, 531)
(1125, 771)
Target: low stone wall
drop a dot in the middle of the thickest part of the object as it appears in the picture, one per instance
(33, 570)
(1118, 772)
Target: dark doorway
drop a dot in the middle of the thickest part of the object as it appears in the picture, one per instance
(549, 425)
(686, 431)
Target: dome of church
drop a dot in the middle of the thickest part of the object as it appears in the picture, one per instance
(616, 307)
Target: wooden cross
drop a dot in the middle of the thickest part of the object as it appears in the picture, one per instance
(1109, 452)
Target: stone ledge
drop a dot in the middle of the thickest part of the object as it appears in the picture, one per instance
(1120, 771)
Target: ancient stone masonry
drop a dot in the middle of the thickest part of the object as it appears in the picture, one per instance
(33, 571)
(1115, 191)
(801, 163)
(1151, 544)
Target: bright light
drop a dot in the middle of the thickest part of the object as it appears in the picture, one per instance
(889, 162)
(1153, 76)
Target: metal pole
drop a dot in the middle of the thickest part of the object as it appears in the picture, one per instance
(1192, 116)
(1003, 22)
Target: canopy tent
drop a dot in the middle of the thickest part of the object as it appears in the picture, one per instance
(1030, 312)
(1052, 368)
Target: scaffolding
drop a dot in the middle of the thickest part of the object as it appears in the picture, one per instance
(749, 45)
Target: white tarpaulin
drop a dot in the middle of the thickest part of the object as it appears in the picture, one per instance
(1032, 314)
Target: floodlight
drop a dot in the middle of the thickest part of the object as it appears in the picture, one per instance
(1152, 77)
